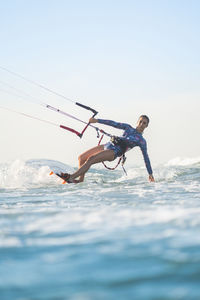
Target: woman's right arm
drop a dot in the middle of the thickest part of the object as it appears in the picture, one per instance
(118, 125)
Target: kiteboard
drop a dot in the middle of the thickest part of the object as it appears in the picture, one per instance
(64, 181)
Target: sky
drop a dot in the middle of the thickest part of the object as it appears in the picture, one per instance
(123, 58)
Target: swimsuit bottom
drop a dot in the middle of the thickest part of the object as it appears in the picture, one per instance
(116, 148)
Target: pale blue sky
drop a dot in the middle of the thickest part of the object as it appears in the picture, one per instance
(124, 58)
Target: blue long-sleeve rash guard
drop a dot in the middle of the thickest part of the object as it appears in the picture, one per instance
(132, 138)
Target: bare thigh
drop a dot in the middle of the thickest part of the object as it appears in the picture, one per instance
(84, 156)
(104, 155)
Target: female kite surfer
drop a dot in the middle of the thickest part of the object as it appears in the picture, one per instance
(117, 146)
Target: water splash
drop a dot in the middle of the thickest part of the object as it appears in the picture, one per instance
(32, 173)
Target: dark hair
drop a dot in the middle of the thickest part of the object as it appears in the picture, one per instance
(145, 116)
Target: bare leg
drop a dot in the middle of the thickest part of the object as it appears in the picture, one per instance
(103, 155)
(84, 157)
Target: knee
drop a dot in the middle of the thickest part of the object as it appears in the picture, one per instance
(81, 159)
(90, 159)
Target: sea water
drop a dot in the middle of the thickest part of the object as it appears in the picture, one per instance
(111, 237)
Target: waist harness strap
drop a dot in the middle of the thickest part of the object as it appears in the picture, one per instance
(119, 142)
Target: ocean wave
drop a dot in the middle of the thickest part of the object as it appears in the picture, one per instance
(32, 173)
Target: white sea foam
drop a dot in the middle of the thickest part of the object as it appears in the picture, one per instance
(21, 174)
(32, 173)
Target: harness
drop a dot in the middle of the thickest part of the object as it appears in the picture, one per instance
(117, 141)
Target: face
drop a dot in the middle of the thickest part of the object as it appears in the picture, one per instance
(142, 124)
